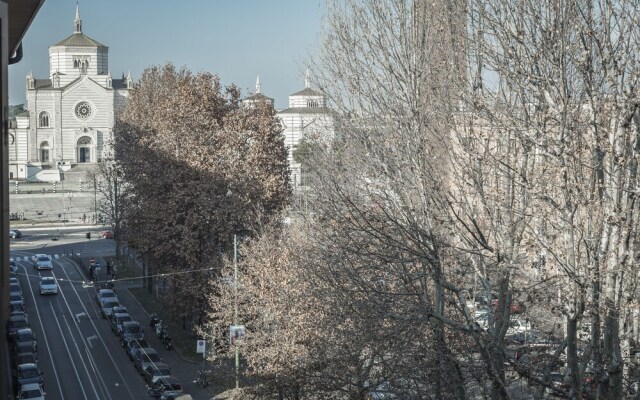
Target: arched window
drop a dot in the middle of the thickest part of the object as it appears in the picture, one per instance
(44, 119)
(312, 103)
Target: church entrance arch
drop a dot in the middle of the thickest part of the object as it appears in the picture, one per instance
(84, 145)
(44, 152)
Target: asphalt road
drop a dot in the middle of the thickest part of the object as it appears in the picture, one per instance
(79, 355)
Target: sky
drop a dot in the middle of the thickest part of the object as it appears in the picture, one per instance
(235, 39)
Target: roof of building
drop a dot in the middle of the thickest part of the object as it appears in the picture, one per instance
(306, 110)
(307, 92)
(46, 83)
(259, 96)
(119, 83)
(79, 39)
(42, 83)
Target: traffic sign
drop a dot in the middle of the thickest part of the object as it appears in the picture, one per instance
(201, 346)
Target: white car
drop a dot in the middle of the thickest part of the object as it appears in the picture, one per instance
(48, 285)
(42, 261)
(30, 391)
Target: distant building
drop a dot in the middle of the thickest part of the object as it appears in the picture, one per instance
(307, 116)
(257, 96)
(71, 114)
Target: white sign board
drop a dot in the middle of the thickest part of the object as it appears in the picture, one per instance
(201, 346)
(236, 334)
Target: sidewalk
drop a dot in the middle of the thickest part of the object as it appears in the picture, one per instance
(185, 371)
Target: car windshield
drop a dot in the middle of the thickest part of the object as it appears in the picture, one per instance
(132, 329)
(107, 295)
(43, 258)
(151, 357)
(30, 373)
(110, 303)
(124, 319)
(30, 394)
(16, 297)
(162, 372)
(19, 323)
(25, 336)
(48, 281)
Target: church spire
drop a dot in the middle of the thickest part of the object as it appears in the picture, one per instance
(258, 87)
(307, 80)
(77, 22)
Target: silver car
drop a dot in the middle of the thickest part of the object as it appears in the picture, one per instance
(48, 285)
(43, 261)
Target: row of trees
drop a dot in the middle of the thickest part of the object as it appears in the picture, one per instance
(193, 166)
(486, 147)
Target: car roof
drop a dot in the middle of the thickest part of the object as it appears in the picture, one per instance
(24, 331)
(27, 366)
(121, 315)
(47, 278)
(130, 323)
(103, 291)
(30, 386)
(158, 366)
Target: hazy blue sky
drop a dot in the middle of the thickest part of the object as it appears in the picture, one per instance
(236, 39)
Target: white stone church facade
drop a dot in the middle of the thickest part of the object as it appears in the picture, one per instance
(70, 115)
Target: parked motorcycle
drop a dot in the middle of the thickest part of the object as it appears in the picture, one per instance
(167, 342)
(154, 320)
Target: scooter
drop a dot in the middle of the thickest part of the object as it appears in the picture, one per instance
(167, 341)
(154, 320)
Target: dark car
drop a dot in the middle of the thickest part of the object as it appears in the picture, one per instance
(13, 266)
(132, 347)
(28, 373)
(107, 234)
(165, 387)
(131, 330)
(144, 357)
(14, 288)
(16, 297)
(24, 358)
(117, 319)
(17, 306)
(155, 372)
(25, 341)
(17, 322)
(15, 234)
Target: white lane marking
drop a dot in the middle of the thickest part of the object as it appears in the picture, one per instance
(90, 338)
(33, 297)
(104, 344)
(78, 315)
(66, 346)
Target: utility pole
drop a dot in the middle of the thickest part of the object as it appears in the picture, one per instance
(95, 199)
(235, 290)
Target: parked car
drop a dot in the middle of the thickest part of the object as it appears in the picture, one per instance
(15, 234)
(107, 234)
(15, 323)
(132, 347)
(25, 341)
(28, 373)
(48, 285)
(104, 294)
(517, 325)
(117, 319)
(165, 388)
(118, 310)
(145, 357)
(31, 391)
(16, 298)
(13, 265)
(13, 279)
(106, 306)
(155, 372)
(24, 358)
(131, 330)
(17, 306)
(43, 261)
(15, 288)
